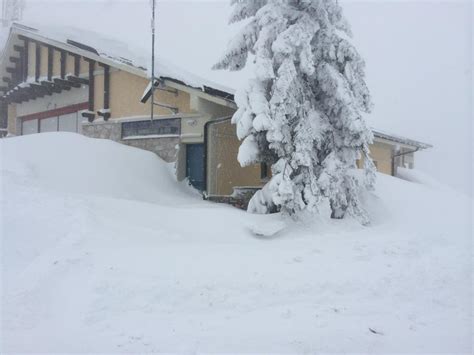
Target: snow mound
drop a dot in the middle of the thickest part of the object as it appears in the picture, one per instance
(73, 163)
(89, 265)
(419, 177)
(268, 229)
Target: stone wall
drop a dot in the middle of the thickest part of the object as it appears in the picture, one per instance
(166, 148)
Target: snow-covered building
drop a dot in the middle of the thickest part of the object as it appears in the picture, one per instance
(65, 82)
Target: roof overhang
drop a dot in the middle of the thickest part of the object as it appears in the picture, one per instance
(84, 50)
(406, 142)
(33, 34)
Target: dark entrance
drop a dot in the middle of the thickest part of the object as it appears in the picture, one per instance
(195, 165)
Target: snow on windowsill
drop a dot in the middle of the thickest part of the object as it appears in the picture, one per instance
(191, 135)
(151, 136)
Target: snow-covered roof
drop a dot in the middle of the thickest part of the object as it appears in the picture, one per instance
(401, 140)
(112, 52)
(133, 59)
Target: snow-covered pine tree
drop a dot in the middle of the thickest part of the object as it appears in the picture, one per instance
(302, 112)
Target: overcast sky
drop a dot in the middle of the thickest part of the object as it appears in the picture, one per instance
(418, 55)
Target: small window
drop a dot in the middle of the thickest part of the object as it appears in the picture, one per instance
(158, 127)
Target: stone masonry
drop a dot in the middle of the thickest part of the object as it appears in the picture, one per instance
(165, 147)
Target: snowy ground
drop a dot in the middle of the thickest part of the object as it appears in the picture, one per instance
(103, 252)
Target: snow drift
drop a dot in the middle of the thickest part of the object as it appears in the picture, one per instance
(102, 251)
(70, 162)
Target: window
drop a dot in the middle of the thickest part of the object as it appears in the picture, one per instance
(30, 127)
(68, 123)
(49, 124)
(158, 127)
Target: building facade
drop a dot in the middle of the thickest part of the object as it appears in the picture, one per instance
(50, 83)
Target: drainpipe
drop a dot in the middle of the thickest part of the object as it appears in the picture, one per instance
(152, 61)
(399, 155)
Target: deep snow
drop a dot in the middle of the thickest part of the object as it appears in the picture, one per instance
(102, 251)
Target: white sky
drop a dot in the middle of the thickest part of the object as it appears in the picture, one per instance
(418, 55)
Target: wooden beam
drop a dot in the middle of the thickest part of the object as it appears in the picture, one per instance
(33, 94)
(63, 64)
(82, 46)
(55, 112)
(38, 62)
(91, 88)
(16, 97)
(19, 71)
(52, 87)
(18, 48)
(106, 115)
(77, 65)
(50, 62)
(9, 83)
(15, 60)
(25, 60)
(45, 90)
(14, 77)
(78, 80)
(65, 84)
(107, 87)
(23, 38)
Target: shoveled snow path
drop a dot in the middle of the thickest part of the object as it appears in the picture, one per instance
(89, 273)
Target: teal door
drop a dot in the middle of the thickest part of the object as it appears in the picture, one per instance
(195, 165)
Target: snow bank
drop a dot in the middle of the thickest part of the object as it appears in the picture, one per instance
(72, 163)
(419, 177)
(102, 252)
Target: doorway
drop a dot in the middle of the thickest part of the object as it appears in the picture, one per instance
(195, 165)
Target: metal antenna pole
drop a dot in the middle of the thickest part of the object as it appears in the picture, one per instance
(153, 61)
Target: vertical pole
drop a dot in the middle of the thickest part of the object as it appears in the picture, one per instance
(4, 15)
(152, 60)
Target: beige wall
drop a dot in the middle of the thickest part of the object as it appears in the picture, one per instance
(56, 63)
(381, 154)
(44, 62)
(99, 92)
(12, 119)
(126, 90)
(84, 66)
(223, 170)
(69, 64)
(211, 109)
(31, 59)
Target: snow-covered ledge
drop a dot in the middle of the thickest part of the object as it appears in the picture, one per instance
(151, 136)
